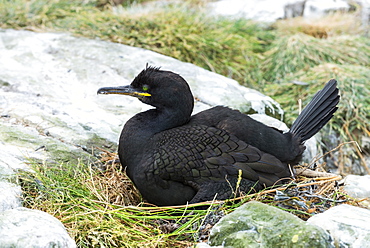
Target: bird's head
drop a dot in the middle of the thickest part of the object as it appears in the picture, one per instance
(158, 88)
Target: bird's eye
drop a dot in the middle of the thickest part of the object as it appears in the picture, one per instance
(145, 87)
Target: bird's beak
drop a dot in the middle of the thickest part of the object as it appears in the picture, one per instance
(123, 90)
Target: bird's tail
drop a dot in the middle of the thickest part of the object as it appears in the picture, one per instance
(317, 113)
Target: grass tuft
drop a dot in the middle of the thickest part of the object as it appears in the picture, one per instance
(291, 54)
(81, 198)
(333, 24)
(103, 208)
(354, 106)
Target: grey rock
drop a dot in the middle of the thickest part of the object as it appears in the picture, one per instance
(318, 8)
(259, 10)
(255, 224)
(365, 14)
(23, 228)
(270, 121)
(294, 9)
(357, 186)
(205, 245)
(10, 196)
(349, 162)
(272, 10)
(22, 142)
(348, 225)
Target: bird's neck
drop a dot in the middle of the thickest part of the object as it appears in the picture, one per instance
(139, 130)
(153, 121)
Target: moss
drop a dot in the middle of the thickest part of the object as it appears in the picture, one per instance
(4, 83)
(254, 225)
(31, 139)
(22, 136)
(94, 142)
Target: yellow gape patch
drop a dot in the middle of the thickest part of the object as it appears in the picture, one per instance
(142, 94)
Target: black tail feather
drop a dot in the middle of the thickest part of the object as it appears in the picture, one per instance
(317, 113)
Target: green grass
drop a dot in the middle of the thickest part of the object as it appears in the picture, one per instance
(291, 54)
(354, 107)
(83, 200)
(103, 209)
(314, 61)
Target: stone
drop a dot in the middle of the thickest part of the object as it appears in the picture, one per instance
(318, 8)
(357, 186)
(270, 121)
(365, 14)
(259, 10)
(205, 245)
(348, 225)
(255, 224)
(294, 9)
(23, 227)
(10, 196)
(272, 10)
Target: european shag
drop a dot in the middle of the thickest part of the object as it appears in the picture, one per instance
(174, 158)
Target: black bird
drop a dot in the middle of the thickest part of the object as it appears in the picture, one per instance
(174, 158)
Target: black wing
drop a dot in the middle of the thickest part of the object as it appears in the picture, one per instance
(199, 155)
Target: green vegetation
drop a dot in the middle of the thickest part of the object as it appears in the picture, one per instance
(354, 107)
(293, 53)
(94, 206)
(307, 59)
(103, 209)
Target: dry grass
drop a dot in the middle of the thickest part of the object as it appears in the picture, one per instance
(112, 183)
(103, 208)
(291, 54)
(328, 26)
(351, 119)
